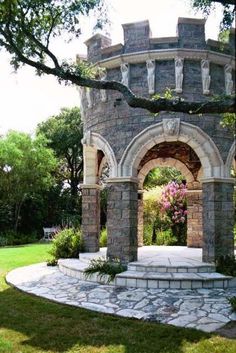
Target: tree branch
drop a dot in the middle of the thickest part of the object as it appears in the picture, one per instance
(152, 105)
(225, 2)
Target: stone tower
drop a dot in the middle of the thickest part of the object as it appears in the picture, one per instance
(133, 141)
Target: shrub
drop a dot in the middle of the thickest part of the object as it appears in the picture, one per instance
(52, 262)
(105, 268)
(232, 301)
(103, 238)
(226, 265)
(66, 244)
(10, 238)
(147, 234)
(166, 237)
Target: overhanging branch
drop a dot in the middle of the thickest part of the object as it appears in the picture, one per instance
(226, 105)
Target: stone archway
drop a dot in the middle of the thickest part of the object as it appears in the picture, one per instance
(164, 162)
(217, 226)
(192, 135)
(231, 159)
(194, 198)
(92, 144)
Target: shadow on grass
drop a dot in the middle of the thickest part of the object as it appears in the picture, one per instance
(58, 328)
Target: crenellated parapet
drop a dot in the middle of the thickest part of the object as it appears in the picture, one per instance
(191, 67)
(137, 38)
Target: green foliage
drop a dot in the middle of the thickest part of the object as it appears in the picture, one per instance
(161, 176)
(207, 6)
(232, 301)
(64, 133)
(13, 238)
(26, 166)
(32, 25)
(104, 268)
(226, 265)
(229, 120)
(52, 262)
(103, 238)
(166, 237)
(66, 244)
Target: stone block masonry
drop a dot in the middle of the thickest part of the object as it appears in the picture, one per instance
(218, 211)
(91, 218)
(194, 223)
(122, 208)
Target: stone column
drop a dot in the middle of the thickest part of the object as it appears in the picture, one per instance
(218, 218)
(140, 217)
(122, 209)
(194, 221)
(91, 217)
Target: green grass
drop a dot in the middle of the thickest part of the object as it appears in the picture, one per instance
(32, 325)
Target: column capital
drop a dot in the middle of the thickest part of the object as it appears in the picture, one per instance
(91, 186)
(193, 191)
(218, 180)
(123, 180)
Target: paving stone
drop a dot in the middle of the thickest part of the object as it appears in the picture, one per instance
(204, 309)
(131, 313)
(182, 321)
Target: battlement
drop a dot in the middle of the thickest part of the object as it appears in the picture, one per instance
(138, 38)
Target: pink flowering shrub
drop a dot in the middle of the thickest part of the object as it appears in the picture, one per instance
(173, 206)
(173, 202)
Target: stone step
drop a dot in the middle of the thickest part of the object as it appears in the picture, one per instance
(174, 280)
(75, 268)
(187, 268)
(149, 279)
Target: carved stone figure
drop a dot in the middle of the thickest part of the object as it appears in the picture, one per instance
(103, 92)
(81, 91)
(171, 126)
(87, 139)
(179, 64)
(89, 97)
(206, 78)
(228, 80)
(151, 76)
(124, 68)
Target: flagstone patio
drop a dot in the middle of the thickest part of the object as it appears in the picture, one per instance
(203, 309)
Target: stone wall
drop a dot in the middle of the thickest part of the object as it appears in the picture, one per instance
(116, 121)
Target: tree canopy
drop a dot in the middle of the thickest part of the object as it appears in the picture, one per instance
(206, 6)
(26, 167)
(64, 133)
(27, 28)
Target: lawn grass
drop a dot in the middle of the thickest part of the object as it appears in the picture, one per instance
(29, 324)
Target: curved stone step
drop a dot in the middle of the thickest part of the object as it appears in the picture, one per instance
(174, 280)
(175, 268)
(75, 268)
(149, 279)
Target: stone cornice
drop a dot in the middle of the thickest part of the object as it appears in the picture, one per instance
(218, 180)
(167, 54)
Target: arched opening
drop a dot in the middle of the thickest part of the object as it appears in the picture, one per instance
(186, 164)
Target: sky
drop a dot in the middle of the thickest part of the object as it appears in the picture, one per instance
(26, 99)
